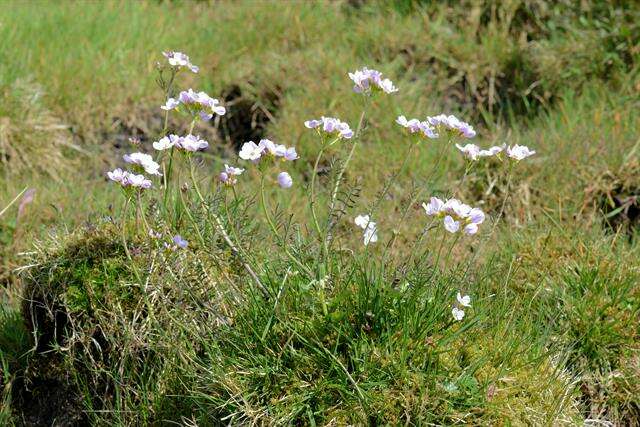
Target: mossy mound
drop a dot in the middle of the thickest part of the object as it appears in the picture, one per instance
(107, 327)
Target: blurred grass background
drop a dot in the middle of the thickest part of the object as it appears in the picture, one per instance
(78, 79)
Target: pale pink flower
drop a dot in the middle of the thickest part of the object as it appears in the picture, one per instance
(519, 152)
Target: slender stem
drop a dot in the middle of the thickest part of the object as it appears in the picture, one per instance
(313, 193)
(504, 201)
(123, 234)
(188, 211)
(336, 187)
(234, 231)
(274, 230)
(420, 191)
(220, 227)
(142, 213)
(167, 177)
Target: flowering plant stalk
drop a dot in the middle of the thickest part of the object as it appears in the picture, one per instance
(447, 216)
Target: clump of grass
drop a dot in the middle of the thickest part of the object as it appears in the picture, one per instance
(194, 348)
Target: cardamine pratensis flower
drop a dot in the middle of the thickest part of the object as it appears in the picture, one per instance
(366, 81)
(331, 125)
(415, 126)
(452, 124)
(179, 60)
(166, 142)
(196, 103)
(457, 313)
(456, 215)
(128, 179)
(284, 180)
(252, 151)
(145, 161)
(191, 143)
(519, 152)
(228, 175)
(370, 228)
(473, 152)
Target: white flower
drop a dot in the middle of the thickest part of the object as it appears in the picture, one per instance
(464, 300)
(179, 59)
(519, 152)
(458, 314)
(143, 160)
(269, 147)
(369, 227)
(365, 80)
(454, 125)
(250, 151)
(387, 86)
(362, 221)
(166, 142)
(492, 151)
(284, 180)
(414, 126)
(434, 207)
(331, 125)
(370, 233)
(457, 208)
(117, 175)
(197, 103)
(228, 175)
(191, 143)
(470, 151)
(171, 104)
(456, 215)
(134, 180)
(450, 224)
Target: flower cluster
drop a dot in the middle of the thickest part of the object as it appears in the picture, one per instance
(456, 215)
(331, 125)
(252, 151)
(369, 227)
(366, 80)
(414, 126)
(463, 301)
(267, 148)
(128, 179)
(179, 60)
(452, 124)
(196, 103)
(144, 161)
(227, 176)
(190, 143)
(473, 152)
(515, 152)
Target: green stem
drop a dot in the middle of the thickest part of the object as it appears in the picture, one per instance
(274, 230)
(504, 201)
(336, 187)
(419, 192)
(123, 235)
(218, 225)
(313, 193)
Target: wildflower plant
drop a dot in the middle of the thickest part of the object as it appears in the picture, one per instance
(269, 160)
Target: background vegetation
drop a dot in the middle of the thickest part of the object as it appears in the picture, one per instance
(553, 337)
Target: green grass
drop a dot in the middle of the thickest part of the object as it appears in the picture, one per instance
(552, 338)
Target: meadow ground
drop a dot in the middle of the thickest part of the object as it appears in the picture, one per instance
(101, 324)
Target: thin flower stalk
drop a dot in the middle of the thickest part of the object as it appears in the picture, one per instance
(336, 188)
(219, 226)
(274, 229)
